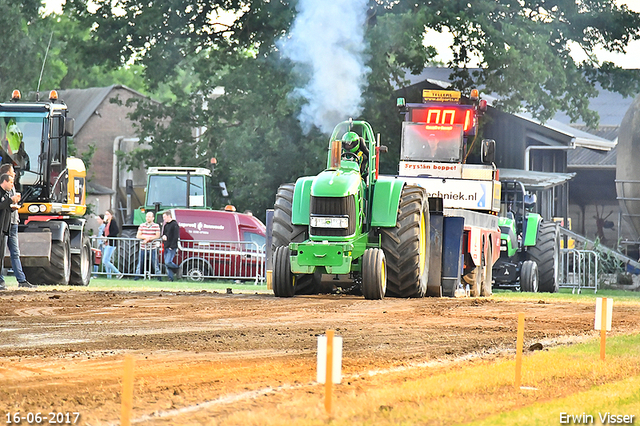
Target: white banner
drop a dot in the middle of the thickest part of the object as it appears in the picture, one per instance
(457, 193)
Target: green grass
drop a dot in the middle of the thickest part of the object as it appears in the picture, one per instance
(569, 380)
(104, 284)
(565, 294)
(620, 396)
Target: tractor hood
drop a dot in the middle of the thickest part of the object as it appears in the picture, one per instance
(336, 183)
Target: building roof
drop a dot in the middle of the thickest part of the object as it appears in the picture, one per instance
(535, 181)
(83, 103)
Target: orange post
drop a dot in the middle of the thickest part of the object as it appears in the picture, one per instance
(127, 391)
(328, 383)
(603, 328)
(519, 344)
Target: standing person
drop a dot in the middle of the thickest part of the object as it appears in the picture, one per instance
(101, 226)
(147, 232)
(111, 230)
(170, 236)
(6, 184)
(12, 236)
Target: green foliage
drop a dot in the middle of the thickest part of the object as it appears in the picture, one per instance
(188, 48)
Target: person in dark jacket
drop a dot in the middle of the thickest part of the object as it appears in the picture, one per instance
(6, 185)
(12, 235)
(111, 230)
(170, 236)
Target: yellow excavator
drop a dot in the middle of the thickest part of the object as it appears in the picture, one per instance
(52, 234)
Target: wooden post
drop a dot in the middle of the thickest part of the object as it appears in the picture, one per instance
(603, 328)
(328, 383)
(127, 391)
(519, 345)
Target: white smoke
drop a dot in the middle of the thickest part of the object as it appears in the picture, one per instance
(326, 42)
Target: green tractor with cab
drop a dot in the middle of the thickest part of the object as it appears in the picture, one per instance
(368, 233)
(529, 246)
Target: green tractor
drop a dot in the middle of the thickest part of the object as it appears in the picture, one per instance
(370, 232)
(529, 247)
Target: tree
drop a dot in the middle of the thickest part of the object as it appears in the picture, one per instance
(24, 38)
(522, 46)
(524, 50)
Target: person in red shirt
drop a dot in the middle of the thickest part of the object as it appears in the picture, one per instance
(148, 234)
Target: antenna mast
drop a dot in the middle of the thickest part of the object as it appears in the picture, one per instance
(44, 61)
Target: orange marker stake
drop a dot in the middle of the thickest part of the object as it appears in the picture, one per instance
(519, 344)
(127, 391)
(603, 328)
(328, 383)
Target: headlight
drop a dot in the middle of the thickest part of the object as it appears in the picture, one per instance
(329, 222)
(34, 208)
(43, 208)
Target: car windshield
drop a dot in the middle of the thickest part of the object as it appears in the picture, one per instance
(425, 142)
(171, 191)
(20, 138)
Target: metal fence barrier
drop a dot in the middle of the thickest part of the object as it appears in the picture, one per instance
(579, 269)
(198, 260)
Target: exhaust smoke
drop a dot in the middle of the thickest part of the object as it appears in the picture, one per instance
(326, 43)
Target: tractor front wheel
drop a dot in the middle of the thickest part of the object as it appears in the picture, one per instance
(59, 269)
(529, 277)
(546, 254)
(374, 274)
(283, 279)
(285, 232)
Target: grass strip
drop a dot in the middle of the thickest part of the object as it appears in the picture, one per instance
(568, 379)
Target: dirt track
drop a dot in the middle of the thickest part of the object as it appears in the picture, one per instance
(63, 351)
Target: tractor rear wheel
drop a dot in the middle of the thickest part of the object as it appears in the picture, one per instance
(406, 246)
(529, 277)
(81, 265)
(283, 280)
(374, 274)
(546, 254)
(285, 232)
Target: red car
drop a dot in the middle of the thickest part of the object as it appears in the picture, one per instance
(220, 244)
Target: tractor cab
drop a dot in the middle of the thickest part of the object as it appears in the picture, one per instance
(33, 137)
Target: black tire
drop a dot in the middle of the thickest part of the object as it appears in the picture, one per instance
(374, 274)
(59, 269)
(284, 232)
(529, 277)
(195, 270)
(406, 246)
(487, 282)
(283, 279)
(127, 251)
(546, 254)
(81, 265)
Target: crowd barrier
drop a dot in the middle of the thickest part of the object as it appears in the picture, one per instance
(197, 260)
(579, 269)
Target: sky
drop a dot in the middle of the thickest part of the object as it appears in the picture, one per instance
(442, 41)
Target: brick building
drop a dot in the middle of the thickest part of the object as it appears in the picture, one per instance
(103, 123)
